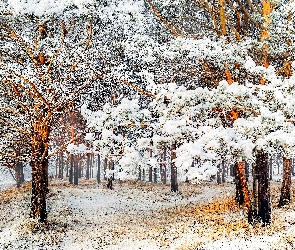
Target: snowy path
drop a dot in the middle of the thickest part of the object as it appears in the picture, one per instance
(92, 217)
(133, 216)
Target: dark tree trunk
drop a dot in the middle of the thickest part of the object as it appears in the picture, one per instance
(139, 174)
(22, 173)
(264, 209)
(223, 172)
(247, 172)
(80, 167)
(61, 167)
(76, 170)
(71, 173)
(155, 175)
(163, 166)
(143, 174)
(92, 165)
(270, 168)
(239, 193)
(98, 169)
(39, 164)
(286, 186)
(105, 168)
(219, 172)
(56, 165)
(255, 189)
(293, 167)
(87, 166)
(150, 174)
(150, 167)
(110, 183)
(19, 171)
(18, 174)
(232, 170)
(174, 184)
(67, 171)
(112, 167)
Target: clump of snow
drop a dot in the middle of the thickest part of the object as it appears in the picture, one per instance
(46, 7)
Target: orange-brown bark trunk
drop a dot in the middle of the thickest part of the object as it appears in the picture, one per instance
(245, 190)
(286, 186)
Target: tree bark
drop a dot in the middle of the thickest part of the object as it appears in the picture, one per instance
(76, 170)
(71, 169)
(239, 193)
(270, 168)
(219, 172)
(264, 209)
(163, 166)
(105, 168)
(223, 172)
(39, 164)
(286, 185)
(174, 184)
(150, 173)
(150, 167)
(98, 169)
(88, 166)
(255, 189)
(244, 189)
(139, 173)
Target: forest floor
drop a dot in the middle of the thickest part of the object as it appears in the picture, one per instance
(139, 215)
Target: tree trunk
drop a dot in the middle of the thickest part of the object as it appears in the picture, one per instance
(22, 176)
(18, 174)
(67, 171)
(98, 169)
(80, 167)
(56, 165)
(174, 184)
(223, 172)
(39, 164)
(150, 173)
(76, 170)
(61, 167)
(71, 169)
(264, 209)
(247, 171)
(143, 174)
(88, 166)
(286, 186)
(105, 168)
(150, 167)
(219, 171)
(270, 168)
(239, 193)
(244, 189)
(163, 166)
(255, 189)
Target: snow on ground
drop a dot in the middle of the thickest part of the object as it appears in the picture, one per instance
(137, 215)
